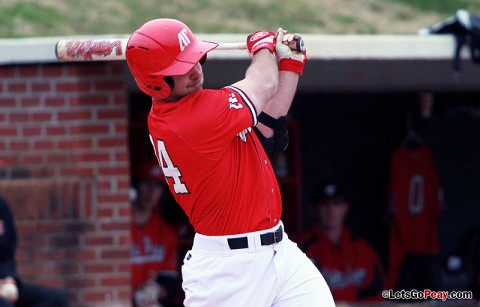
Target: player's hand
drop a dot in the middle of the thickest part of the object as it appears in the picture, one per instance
(290, 60)
(8, 289)
(261, 40)
(148, 295)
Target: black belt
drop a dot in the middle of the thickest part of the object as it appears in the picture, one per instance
(268, 238)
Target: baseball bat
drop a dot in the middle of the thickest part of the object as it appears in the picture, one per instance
(114, 49)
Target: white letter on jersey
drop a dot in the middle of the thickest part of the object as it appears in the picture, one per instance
(234, 102)
(169, 170)
(183, 39)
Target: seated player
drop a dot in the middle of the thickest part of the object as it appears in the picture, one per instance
(27, 294)
(154, 251)
(350, 266)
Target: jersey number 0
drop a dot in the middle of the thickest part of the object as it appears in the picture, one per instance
(170, 170)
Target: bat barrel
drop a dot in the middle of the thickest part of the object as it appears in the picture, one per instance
(91, 50)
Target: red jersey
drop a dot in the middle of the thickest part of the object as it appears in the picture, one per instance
(154, 250)
(352, 269)
(214, 163)
(415, 203)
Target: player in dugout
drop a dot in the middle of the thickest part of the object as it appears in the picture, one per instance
(21, 292)
(154, 253)
(209, 145)
(350, 266)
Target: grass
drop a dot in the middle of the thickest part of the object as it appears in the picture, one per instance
(25, 18)
(442, 6)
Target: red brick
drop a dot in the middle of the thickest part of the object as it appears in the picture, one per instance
(57, 158)
(112, 254)
(8, 131)
(79, 282)
(97, 268)
(89, 100)
(28, 71)
(115, 226)
(42, 116)
(40, 87)
(17, 87)
(30, 102)
(56, 130)
(7, 102)
(32, 131)
(82, 86)
(19, 145)
(74, 115)
(112, 114)
(113, 171)
(52, 70)
(7, 71)
(99, 240)
(75, 144)
(87, 69)
(77, 171)
(108, 85)
(55, 101)
(44, 144)
(90, 129)
(115, 280)
(18, 117)
(119, 196)
(112, 142)
(33, 159)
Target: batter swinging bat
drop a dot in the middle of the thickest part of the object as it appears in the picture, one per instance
(114, 49)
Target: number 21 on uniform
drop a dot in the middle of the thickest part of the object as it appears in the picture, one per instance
(169, 170)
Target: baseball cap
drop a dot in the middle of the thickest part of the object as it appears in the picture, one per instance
(327, 191)
(149, 170)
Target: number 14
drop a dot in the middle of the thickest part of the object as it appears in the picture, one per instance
(169, 170)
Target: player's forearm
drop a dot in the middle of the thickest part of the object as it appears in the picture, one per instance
(280, 104)
(261, 79)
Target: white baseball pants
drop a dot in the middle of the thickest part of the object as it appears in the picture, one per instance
(277, 275)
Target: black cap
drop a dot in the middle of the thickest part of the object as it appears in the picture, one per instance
(327, 191)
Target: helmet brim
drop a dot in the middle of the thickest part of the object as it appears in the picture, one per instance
(186, 60)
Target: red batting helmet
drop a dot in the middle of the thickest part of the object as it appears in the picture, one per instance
(160, 48)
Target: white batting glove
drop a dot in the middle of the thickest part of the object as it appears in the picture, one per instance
(289, 59)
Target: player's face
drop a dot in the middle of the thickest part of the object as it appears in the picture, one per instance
(189, 83)
(149, 193)
(332, 213)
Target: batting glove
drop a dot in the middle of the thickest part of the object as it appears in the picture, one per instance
(261, 40)
(289, 60)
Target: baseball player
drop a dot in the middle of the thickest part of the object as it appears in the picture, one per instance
(217, 167)
(415, 205)
(154, 252)
(350, 266)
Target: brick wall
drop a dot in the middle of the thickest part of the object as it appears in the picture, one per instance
(64, 168)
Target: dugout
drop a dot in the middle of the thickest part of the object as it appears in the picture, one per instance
(353, 107)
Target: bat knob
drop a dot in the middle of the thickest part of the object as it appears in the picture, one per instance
(300, 45)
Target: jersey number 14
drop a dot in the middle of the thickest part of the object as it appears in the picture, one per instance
(169, 170)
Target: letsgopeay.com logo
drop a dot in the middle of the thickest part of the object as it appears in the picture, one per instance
(426, 294)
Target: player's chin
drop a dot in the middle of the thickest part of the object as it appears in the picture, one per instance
(195, 87)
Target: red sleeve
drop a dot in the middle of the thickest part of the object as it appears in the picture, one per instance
(219, 115)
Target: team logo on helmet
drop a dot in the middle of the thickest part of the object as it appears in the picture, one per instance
(183, 39)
